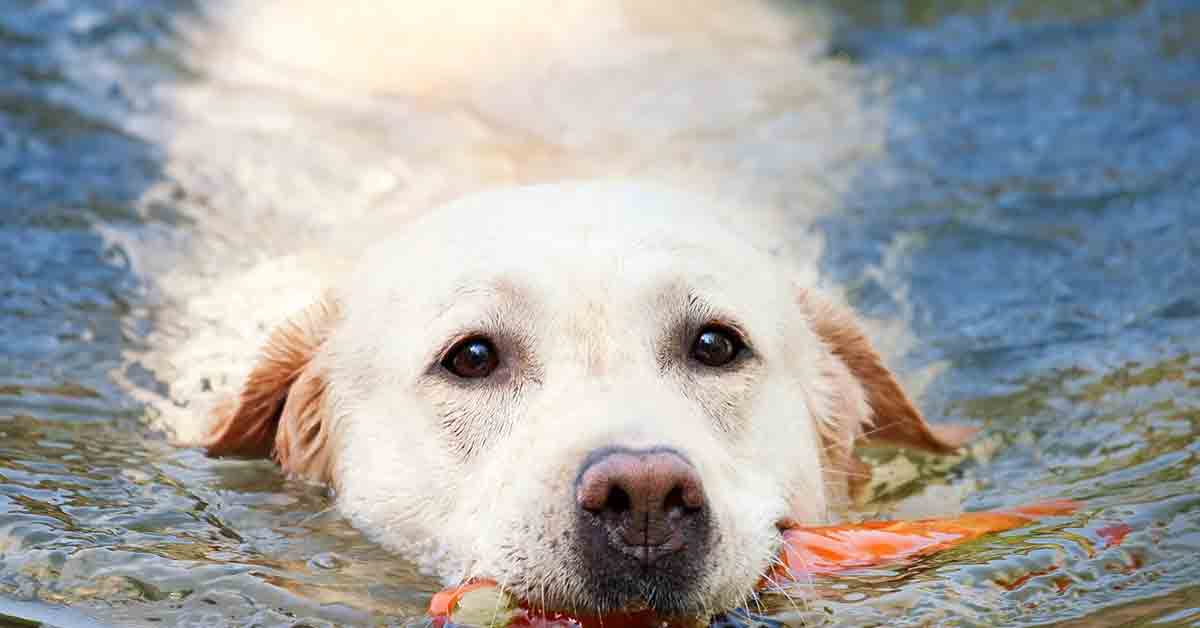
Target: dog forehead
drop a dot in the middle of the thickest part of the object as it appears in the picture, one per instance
(561, 239)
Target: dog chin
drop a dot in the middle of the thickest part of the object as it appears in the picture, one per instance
(662, 595)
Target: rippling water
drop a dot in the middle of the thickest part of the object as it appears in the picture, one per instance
(1015, 182)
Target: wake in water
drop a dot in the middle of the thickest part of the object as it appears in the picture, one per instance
(322, 126)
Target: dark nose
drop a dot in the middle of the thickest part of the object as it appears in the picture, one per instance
(641, 505)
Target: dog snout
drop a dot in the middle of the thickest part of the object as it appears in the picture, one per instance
(641, 505)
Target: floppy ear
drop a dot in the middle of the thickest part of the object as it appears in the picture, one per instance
(868, 402)
(281, 411)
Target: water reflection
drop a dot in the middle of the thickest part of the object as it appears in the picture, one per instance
(1032, 219)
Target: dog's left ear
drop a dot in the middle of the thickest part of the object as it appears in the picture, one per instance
(868, 402)
(280, 411)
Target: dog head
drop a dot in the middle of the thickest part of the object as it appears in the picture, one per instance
(604, 396)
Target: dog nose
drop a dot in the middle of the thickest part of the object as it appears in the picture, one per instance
(644, 505)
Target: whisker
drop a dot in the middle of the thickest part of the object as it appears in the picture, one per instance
(800, 606)
(807, 574)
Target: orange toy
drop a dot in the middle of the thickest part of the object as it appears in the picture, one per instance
(830, 549)
(445, 604)
(806, 551)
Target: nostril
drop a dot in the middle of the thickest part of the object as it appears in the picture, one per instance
(618, 502)
(641, 508)
(674, 502)
(645, 485)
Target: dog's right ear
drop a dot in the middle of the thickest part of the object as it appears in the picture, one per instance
(280, 412)
(872, 405)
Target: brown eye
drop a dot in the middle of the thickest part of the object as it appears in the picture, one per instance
(716, 346)
(472, 358)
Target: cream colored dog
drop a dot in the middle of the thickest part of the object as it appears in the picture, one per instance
(603, 395)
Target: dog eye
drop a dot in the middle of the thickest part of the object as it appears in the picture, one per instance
(716, 345)
(472, 358)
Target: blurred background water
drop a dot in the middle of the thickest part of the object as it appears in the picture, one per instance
(1028, 210)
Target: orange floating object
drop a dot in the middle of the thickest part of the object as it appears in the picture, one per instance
(830, 549)
(807, 551)
(445, 602)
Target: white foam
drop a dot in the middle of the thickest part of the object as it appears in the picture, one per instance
(319, 125)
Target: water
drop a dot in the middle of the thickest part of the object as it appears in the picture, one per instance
(1013, 182)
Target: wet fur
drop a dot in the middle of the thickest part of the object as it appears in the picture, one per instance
(281, 411)
(350, 393)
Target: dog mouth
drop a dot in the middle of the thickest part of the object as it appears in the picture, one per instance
(482, 602)
(654, 594)
(662, 595)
